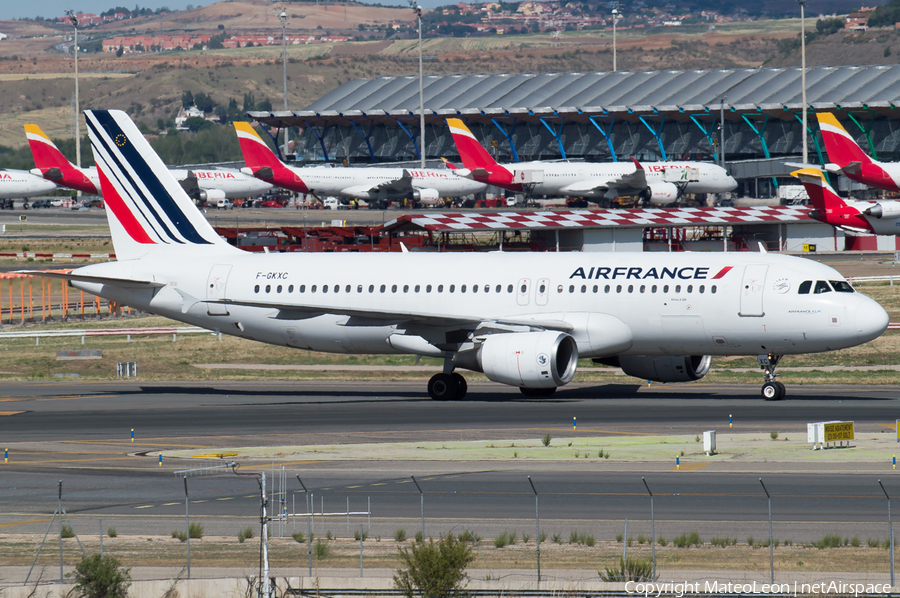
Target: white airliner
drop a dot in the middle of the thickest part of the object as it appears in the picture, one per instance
(19, 184)
(523, 319)
(658, 183)
(377, 186)
(205, 185)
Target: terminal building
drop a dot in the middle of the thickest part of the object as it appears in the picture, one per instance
(612, 116)
(605, 116)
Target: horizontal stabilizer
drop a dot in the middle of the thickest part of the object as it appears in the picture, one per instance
(121, 282)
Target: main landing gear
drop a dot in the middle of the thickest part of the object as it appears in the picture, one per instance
(771, 390)
(447, 387)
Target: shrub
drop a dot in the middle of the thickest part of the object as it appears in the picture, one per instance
(436, 569)
(247, 533)
(468, 536)
(400, 534)
(872, 543)
(723, 542)
(365, 535)
(298, 537)
(329, 535)
(67, 531)
(661, 541)
(180, 535)
(542, 537)
(573, 537)
(854, 541)
(773, 435)
(505, 539)
(545, 439)
(525, 538)
(641, 538)
(419, 537)
(629, 569)
(557, 539)
(750, 541)
(687, 540)
(195, 530)
(101, 577)
(111, 532)
(619, 537)
(322, 550)
(828, 541)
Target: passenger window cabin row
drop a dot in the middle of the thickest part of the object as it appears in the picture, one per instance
(542, 288)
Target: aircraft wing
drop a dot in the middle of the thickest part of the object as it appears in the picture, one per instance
(289, 311)
(626, 184)
(399, 186)
(122, 282)
(635, 180)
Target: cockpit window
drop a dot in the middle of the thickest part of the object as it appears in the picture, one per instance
(822, 287)
(841, 286)
(804, 287)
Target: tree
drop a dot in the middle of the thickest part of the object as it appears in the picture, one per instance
(120, 51)
(102, 577)
(195, 123)
(187, 99)
(436, 570)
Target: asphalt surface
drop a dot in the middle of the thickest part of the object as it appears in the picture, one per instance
(80, 434)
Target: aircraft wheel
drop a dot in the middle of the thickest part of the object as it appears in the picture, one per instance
(773, 391)
(461, 386)
(538, 392)
(443, 387)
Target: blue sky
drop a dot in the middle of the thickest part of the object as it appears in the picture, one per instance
(57, 8)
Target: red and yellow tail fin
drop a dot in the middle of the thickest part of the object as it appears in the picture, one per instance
(263, 162)
(841, 147)
(53, 165)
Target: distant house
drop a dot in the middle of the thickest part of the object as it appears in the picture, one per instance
(3, 36)
(857, 21)
(186, 113)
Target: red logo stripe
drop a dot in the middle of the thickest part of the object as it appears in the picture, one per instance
(722, 272)
(121, 211)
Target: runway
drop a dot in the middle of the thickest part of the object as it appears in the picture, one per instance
(80, 434)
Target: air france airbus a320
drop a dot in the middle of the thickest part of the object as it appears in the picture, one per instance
(522, 319)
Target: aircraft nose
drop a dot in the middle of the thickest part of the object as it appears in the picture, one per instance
(871, 320)
(730, 183)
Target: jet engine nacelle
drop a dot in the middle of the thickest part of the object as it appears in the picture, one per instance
(677, 368)
(660, 193)
(426, 196)
(529, 359)
(884, 209)
(211, 195)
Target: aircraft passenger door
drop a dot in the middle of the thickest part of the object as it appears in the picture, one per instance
(522, 291)
(542, 291)
(752, 291)
(215, 289)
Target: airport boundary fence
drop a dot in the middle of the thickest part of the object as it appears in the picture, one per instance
(210, 526)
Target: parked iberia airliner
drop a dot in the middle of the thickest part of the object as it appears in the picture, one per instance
(658, 183)
(378, 186)
(848, 159)
(203, 184)
(523, 319)
(880, 217)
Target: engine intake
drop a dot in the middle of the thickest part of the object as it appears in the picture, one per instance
(675, 368)
(660, 193)
(529, 359)
(884, 209)
(429, 196)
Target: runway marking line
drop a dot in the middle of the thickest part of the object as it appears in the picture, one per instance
(16, 398)
(76, 460)
(15, 523)
(690, 467)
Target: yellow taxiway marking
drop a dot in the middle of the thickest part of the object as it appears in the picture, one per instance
(194, 502)
(6, 413)
(690, 467)
(14, 523)
(226, 498)
(75, 460)
(169, 504)
(145, 507)
(380, 484)
(16, 398)
(889, 426)
(354, 487)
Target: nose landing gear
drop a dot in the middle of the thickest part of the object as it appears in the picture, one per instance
(771, 390)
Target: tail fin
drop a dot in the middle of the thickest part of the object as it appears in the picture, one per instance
(147, 209)
(841, 148)
(829, 207)
(263, 163)
(472, 153)
(53, 165)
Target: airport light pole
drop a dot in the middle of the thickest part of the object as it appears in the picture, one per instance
(803, 76)
(537, 525)
(722, 130)
(418, 10)
(73, 19)
(283, 17)
(771, 541)
(615, 17)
